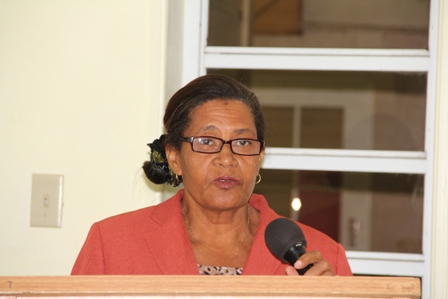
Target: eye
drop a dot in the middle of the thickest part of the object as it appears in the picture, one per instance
(206, 141)
(243, 142)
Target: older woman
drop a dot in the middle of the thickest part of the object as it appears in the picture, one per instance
(215, 225)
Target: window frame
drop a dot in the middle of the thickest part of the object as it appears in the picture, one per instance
(197, 57)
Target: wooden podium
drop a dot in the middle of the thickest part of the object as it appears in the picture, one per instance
(217, 287)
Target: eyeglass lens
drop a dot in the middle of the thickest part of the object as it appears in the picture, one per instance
(238, 146)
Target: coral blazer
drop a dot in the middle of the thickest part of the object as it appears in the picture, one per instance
(154, 240)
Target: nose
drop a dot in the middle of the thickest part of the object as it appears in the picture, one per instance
(226, 157)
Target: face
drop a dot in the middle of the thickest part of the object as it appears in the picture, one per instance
(221, 180)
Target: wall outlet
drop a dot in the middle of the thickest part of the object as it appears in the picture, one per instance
(46, 200)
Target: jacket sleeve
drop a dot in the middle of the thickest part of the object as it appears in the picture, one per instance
(342, 265)
(90, 259)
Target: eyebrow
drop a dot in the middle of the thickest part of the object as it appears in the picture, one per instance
(238, 131)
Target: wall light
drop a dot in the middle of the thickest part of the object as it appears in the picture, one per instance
(296, 204)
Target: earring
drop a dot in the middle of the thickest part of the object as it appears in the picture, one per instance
(174, 179)
(258, 180)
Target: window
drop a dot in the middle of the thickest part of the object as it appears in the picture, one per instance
(354, 85)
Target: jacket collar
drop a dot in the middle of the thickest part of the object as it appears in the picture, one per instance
(168, 241)
(177, 257)
(260, 259)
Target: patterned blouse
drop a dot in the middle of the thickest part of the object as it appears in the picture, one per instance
(217, 270)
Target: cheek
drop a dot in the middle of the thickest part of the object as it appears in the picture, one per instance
(252, 168)
(195, 168)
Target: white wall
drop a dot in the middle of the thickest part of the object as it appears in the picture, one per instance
(81, 93)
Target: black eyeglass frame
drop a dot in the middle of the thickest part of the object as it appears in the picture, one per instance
(229, 142)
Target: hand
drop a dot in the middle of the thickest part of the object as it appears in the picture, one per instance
(321, 267)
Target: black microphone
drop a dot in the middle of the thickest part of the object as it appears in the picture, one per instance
(286, 241)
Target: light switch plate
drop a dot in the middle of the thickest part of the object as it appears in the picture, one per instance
(46, 200)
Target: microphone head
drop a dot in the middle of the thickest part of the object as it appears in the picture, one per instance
(280, 235)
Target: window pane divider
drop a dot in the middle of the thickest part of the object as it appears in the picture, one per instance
(345, 160)
(330, 59)
(316, 51)
(390, 256)
(384, 263)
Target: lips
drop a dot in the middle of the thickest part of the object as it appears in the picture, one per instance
(226, 182)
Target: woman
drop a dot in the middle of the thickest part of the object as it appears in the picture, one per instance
(215, 225)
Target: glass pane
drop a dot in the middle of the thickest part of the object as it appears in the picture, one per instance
(340, 110)
(319, 23)
(363, 211)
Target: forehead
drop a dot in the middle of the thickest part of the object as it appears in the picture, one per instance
(222, 113)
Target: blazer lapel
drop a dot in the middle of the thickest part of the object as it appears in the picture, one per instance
(260, 260)
(168, 242)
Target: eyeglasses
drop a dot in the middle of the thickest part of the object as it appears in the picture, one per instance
(212, 145)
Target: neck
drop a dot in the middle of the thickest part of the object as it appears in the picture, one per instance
(217, 243)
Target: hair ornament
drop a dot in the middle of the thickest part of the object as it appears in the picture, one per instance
(158, 156)
(159, 160)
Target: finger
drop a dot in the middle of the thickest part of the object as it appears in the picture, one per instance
(291, 271)
(321, 268)
(308, 258)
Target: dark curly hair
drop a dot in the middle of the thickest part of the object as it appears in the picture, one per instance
(177, 119)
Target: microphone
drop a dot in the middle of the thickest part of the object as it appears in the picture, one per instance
(286, 241)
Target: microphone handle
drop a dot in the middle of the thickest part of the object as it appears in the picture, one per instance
(293, 254)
